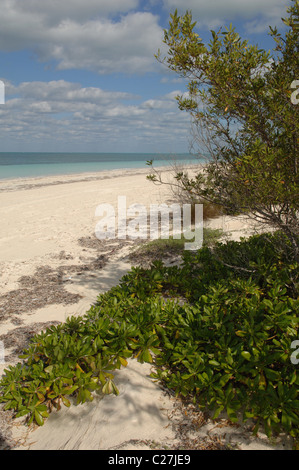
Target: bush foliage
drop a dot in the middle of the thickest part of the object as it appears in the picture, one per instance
(226, 343)
(245, 121)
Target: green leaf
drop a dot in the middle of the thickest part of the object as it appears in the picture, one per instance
(232, 414)
(214, 363)
(49, 369)
(22, 413)
(246, 355)
(114, 388)
(65, 401)
(123, 361)
(271, 374)
(146, 356)
(38, 418)
(293, 378)
(241, 333)
(108, 388)
(218, 411)
(268, 303)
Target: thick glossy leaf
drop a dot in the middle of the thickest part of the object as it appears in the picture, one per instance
(246, 355)
(38, 418)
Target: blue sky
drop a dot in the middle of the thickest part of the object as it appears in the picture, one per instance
(81, 76)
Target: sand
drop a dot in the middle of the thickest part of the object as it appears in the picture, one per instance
(51, 267)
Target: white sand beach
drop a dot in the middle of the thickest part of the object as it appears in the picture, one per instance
(51, 267)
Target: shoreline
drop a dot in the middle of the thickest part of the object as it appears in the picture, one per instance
(30, 182)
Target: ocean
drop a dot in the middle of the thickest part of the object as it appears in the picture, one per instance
(26, 165)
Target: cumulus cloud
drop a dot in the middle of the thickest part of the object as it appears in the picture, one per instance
(82, 35)
(104, 46)
(108, 36)
(63, 91)
(69, 114)
(54, 97)
(214, 13)
(55, 11)
(166, 102)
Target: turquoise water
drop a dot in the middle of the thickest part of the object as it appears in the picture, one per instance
(26, 165)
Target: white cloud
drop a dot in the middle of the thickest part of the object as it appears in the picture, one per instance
(61, 97)
(273, 18)
(55, 11)
(66, 113)
(64, 91)
(213, 13)
(167, 102)
(105, 46)
(80, 35)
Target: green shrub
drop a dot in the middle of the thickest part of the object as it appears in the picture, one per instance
(231, 351)
(227, 346)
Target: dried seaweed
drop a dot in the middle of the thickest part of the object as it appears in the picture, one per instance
(18, 339)
(47, 285)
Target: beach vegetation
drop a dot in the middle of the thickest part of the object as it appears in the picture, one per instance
(171, 248)
(215, 335)
(244, 119)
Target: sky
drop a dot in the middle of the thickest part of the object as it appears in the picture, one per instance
(81, 76)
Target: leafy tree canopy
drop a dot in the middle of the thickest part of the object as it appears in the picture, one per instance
(243, 106)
